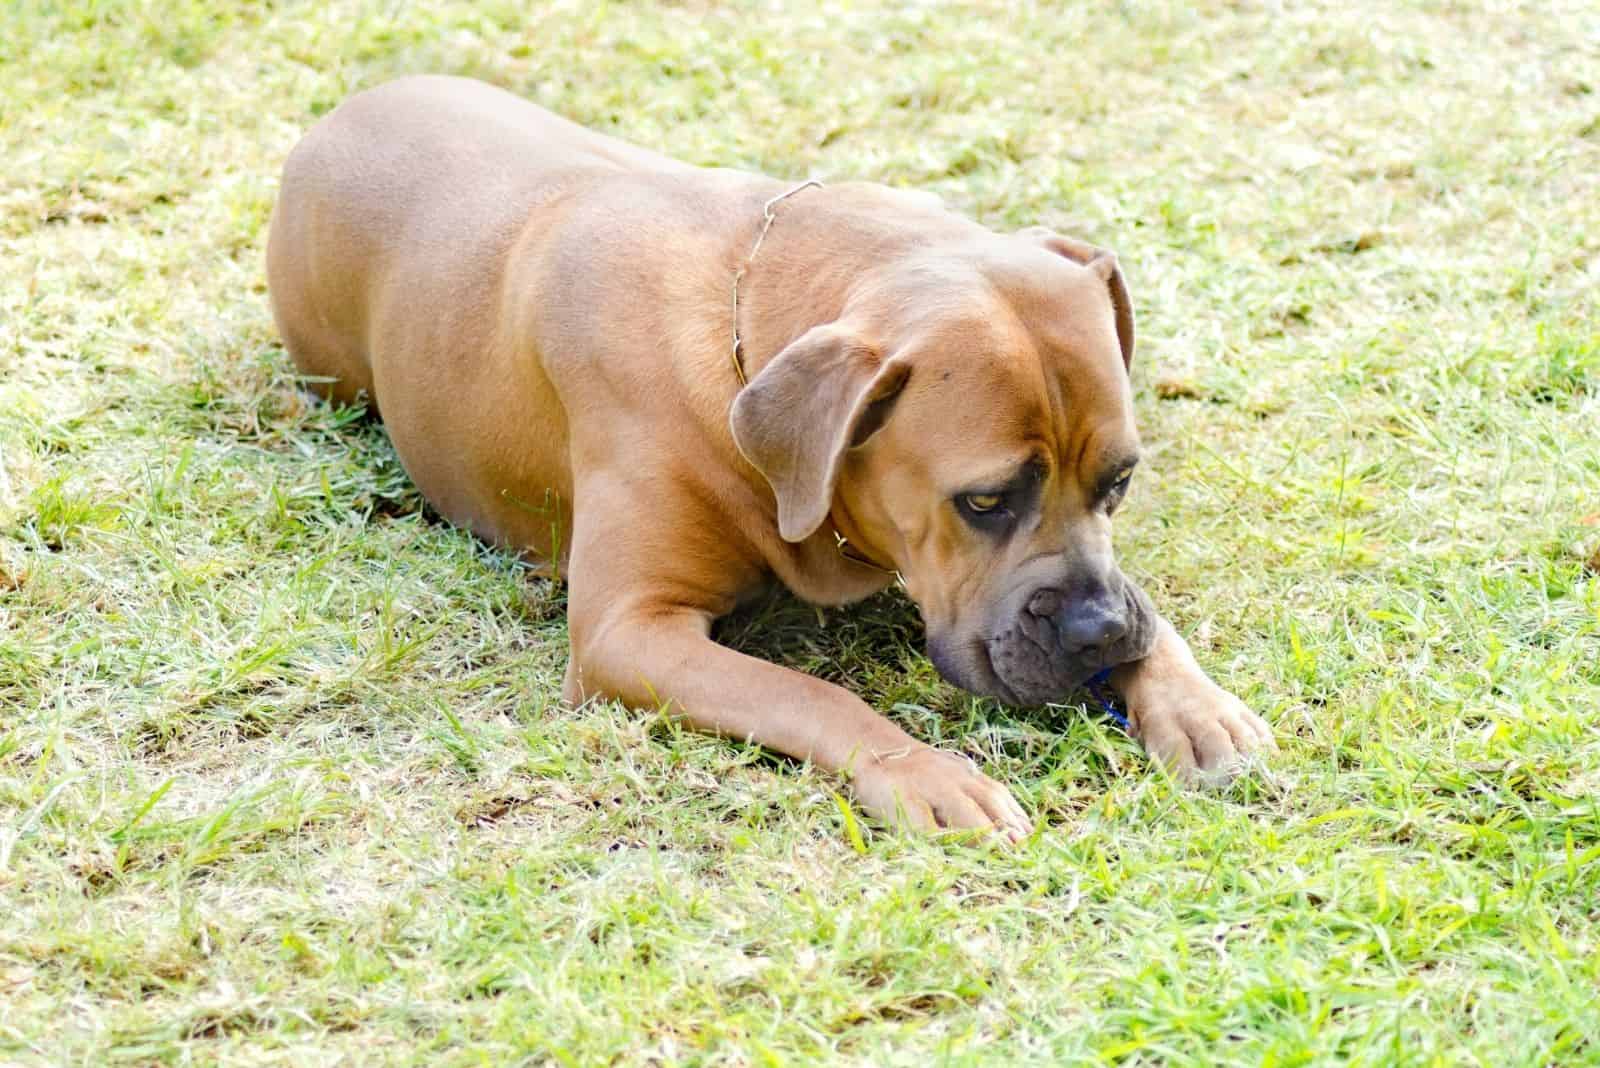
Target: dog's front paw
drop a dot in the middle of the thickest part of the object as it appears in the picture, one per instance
(1200, 731)
(932, 790)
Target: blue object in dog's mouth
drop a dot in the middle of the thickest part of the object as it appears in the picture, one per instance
(1099, 687)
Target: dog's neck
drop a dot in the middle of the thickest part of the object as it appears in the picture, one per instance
(820, 245)
(767, 219)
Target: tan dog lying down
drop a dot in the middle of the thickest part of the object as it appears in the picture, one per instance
(544, 318)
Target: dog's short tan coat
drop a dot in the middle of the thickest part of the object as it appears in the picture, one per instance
(543, 318)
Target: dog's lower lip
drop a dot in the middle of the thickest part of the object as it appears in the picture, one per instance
(1002, 691)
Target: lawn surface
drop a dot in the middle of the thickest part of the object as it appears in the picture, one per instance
(283, 776)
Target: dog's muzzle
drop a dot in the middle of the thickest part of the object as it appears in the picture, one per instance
(1057, 637)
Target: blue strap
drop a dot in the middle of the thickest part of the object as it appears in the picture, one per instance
(1097, 686)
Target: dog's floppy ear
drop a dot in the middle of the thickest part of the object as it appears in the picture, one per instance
(824, 394)
(1102, 262)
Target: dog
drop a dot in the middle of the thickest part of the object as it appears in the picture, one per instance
(677, 384)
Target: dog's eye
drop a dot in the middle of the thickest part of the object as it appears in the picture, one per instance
(988, 512)
(1112, 495)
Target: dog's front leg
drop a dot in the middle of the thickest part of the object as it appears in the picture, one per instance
(1185, 720)
(649, 654)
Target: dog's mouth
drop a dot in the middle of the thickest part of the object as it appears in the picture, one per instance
(995, 686)
(970, 665)
(1034, 674)
(1023, 667)
(966, 664)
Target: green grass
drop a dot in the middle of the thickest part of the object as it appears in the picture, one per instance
(283, 774)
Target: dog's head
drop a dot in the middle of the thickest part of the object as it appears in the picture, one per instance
(968, 418)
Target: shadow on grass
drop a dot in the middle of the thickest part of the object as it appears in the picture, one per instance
(875, 650)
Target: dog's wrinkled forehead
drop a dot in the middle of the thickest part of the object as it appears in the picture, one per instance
(1070, 312)
(1020, 359)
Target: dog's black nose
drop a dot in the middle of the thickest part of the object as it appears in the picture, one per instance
(1091, 627)
(1084, 625)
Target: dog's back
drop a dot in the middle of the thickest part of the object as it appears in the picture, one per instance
(480, 159)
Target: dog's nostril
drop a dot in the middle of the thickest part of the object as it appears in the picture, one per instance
(1045, 603)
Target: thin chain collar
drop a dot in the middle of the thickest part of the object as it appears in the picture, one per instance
(840, 542)
(767, 219)
(855, 556)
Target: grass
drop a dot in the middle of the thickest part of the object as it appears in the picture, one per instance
(283, 776)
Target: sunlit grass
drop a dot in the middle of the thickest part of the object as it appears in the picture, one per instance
(283, 772)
